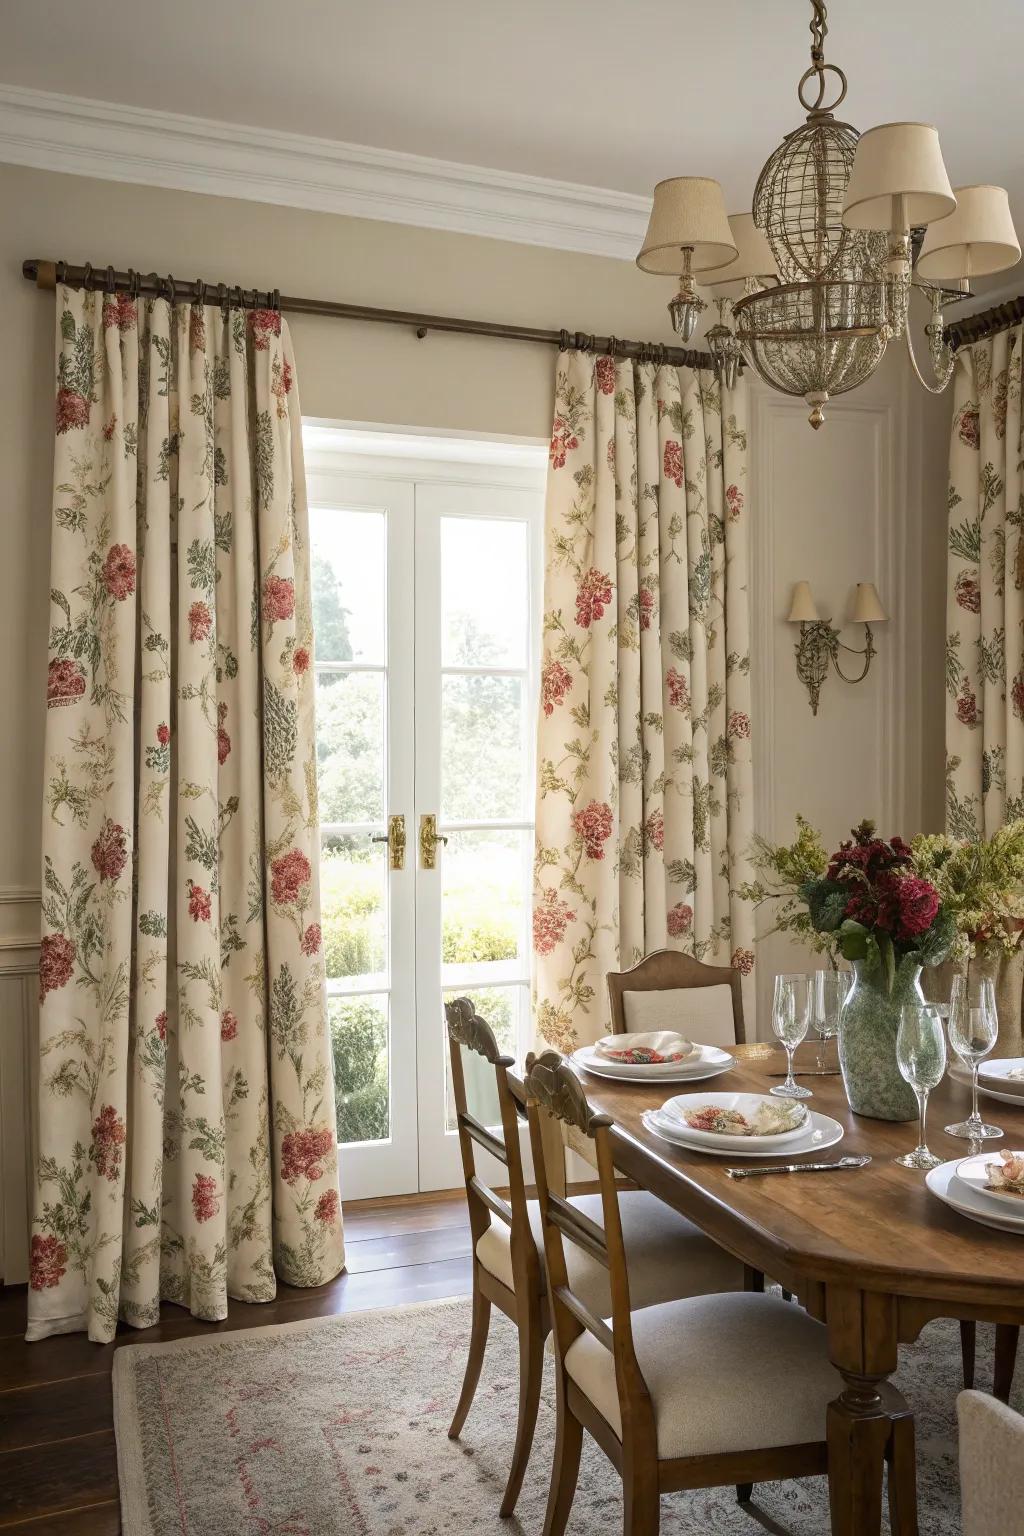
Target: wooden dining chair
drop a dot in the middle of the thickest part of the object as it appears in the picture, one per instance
(667, 1255)
(694, 1393)
(670, 990)
(1004, 1360)
(991, 1466)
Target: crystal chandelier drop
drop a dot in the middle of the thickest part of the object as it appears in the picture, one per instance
(845, 228)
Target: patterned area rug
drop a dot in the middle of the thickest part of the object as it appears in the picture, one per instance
(339, 1426)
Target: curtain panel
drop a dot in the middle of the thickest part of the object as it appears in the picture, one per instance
(644, 798)
(187, 1144)
(985, 591)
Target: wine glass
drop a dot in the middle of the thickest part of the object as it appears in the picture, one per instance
(973, 1028)
(921, 1055)
(790, 1017)
(830, 989)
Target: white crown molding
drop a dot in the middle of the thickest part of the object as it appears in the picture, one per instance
(73, 134)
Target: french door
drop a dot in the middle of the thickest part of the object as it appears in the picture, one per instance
(426, 593)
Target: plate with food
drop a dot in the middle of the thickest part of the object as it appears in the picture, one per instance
(945, 1183)
(820, 1131)
(1006, 1089)
(747, 1120)
(996, 1175)
(654, 1056)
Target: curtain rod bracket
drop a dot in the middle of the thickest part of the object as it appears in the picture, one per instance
(421, 331)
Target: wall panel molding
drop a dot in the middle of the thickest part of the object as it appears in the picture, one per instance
(19, 1034)
(82, 137)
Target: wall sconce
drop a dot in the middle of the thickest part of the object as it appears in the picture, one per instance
(819, 644)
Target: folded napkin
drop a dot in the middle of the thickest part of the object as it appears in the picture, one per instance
(1017, 1075)
(655, 1046)
(1007, 1176)
(769, 1120)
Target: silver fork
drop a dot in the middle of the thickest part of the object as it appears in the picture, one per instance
(860, 1161)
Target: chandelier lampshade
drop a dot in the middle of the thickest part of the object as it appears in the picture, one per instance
(688, 216)
(754, 262)
(898, 181)
(975, 241)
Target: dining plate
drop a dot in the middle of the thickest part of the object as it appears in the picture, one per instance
(710, 1063)
(746, 1104)
(972, 1171)
(823, 1132)
(959, 1074)
(997, 1072)
(943, 1182)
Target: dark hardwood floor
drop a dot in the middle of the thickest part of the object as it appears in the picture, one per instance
(58, 1469)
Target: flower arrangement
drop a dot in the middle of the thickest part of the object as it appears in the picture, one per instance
(867, 902)
(981, 884)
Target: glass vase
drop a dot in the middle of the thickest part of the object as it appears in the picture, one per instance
(868, 1026)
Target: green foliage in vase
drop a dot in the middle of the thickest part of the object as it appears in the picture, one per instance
(981, 884)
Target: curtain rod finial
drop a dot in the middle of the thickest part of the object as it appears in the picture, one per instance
(44, 273)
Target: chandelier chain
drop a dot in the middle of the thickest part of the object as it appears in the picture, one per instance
(819, 31)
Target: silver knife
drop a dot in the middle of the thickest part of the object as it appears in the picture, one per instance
(844, 1162)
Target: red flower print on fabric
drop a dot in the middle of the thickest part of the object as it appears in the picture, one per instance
(967, 707)
(969, 428)
(742, 961)
(56, 963)
(604, 375)
(119, 572)
(594, 825)
(673, 461)
(119, 310)
(563, 441)
(1017, 695)
(160, 1024)
(108, 1137)
(645, 603)
(264, 323)
(679, 919)
(163, 734)
(204, 1196)
(48, 1263)
(200, 622)
(734, 501)
(678, 689)
(110, 851)
(72, 410)
(967, 591)
(300, 661)
(196, 329)
(289, 874)
(65, 682)
(555, 682)
(739, 725)
(303, 1154)
(223, 739)
(199, 904)
(326, 1208)
(228, 1025)
(310, 943)
(654, 830)
(278, 598)
(593, 594)
(109, 429)
(551, 916)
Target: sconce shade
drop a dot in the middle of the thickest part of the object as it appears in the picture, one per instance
(803, 609)
(755, 258)
(689, 212)
(976, 240)
(866, 607)
(892, 161)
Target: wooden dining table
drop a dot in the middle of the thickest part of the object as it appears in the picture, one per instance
(870, 1251)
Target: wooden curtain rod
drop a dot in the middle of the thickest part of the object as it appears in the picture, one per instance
(976, 327)
(47, 274)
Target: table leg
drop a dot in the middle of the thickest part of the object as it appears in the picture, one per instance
(863, 1348)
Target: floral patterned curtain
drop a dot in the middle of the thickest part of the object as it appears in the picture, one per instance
(645, 808)
(187, 1146)
(985, 596)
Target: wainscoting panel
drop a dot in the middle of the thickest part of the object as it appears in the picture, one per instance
(19, 1025)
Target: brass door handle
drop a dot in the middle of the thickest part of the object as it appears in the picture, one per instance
(429, 839)
(395, 840)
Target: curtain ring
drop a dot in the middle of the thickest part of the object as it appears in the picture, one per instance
(239, 298)
(200, 287)
(111, 285)
(62, 271)
(172, 292)
(87, 279)
(275, 303)
(612, 347)
(133, 283)
(564, 341)
(222, 300)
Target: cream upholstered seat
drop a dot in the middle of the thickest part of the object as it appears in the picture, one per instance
(704, 1014)
(991, 1466)
(725, 1374)
(666, 1255)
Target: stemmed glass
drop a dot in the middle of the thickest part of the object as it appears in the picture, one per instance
(921, 1055)
(830, 989)
(973, 1028)
(790, 1018)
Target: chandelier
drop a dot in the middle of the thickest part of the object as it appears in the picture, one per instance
(818, 278)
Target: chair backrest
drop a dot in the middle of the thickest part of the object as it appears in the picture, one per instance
(553, 1089)
(668, 970)
(991, 1465)
(467, 1031)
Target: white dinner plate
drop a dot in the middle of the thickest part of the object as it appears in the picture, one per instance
(960, 1074)
(943, 1182)
(998, 1071)
(824, 1132)
(972, 1171)
(696, 1069)
(746, 1104)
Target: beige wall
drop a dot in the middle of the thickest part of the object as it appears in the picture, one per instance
(863, 499)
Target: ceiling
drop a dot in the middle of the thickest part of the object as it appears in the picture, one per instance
(601, 92)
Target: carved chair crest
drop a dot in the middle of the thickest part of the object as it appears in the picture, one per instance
(466, 1027)
(551, 1081)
